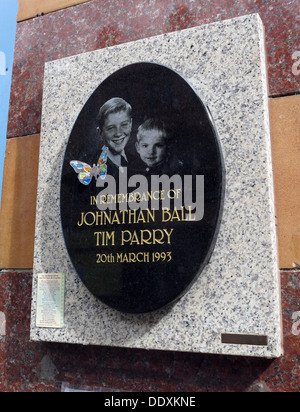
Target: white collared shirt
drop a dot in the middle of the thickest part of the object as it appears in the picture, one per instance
(116, 158)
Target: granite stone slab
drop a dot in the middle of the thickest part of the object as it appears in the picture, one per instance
(238, 292)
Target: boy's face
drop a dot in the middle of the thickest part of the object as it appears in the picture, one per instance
(152, 147)
(116, 131)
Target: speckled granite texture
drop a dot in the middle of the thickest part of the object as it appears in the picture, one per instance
(238, 292)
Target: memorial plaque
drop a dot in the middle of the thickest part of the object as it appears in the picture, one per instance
(50, 300)
(155, 194)
(139, 234)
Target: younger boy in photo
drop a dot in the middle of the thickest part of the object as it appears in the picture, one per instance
(153, 146)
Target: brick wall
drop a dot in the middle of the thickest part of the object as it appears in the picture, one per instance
(70, 27)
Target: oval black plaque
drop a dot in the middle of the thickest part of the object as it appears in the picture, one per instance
(138, 240)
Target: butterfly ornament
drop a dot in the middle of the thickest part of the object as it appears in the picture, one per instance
(86, 172)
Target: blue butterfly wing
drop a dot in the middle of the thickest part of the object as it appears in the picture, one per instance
(102, 166)
(84, 171)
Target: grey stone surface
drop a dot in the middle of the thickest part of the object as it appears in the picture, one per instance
(238, 292)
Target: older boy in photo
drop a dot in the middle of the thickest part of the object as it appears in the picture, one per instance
(114, 126)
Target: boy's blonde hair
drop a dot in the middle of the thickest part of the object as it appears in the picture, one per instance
(153, 124)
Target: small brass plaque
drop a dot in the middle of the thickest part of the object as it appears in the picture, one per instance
(236, 339)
